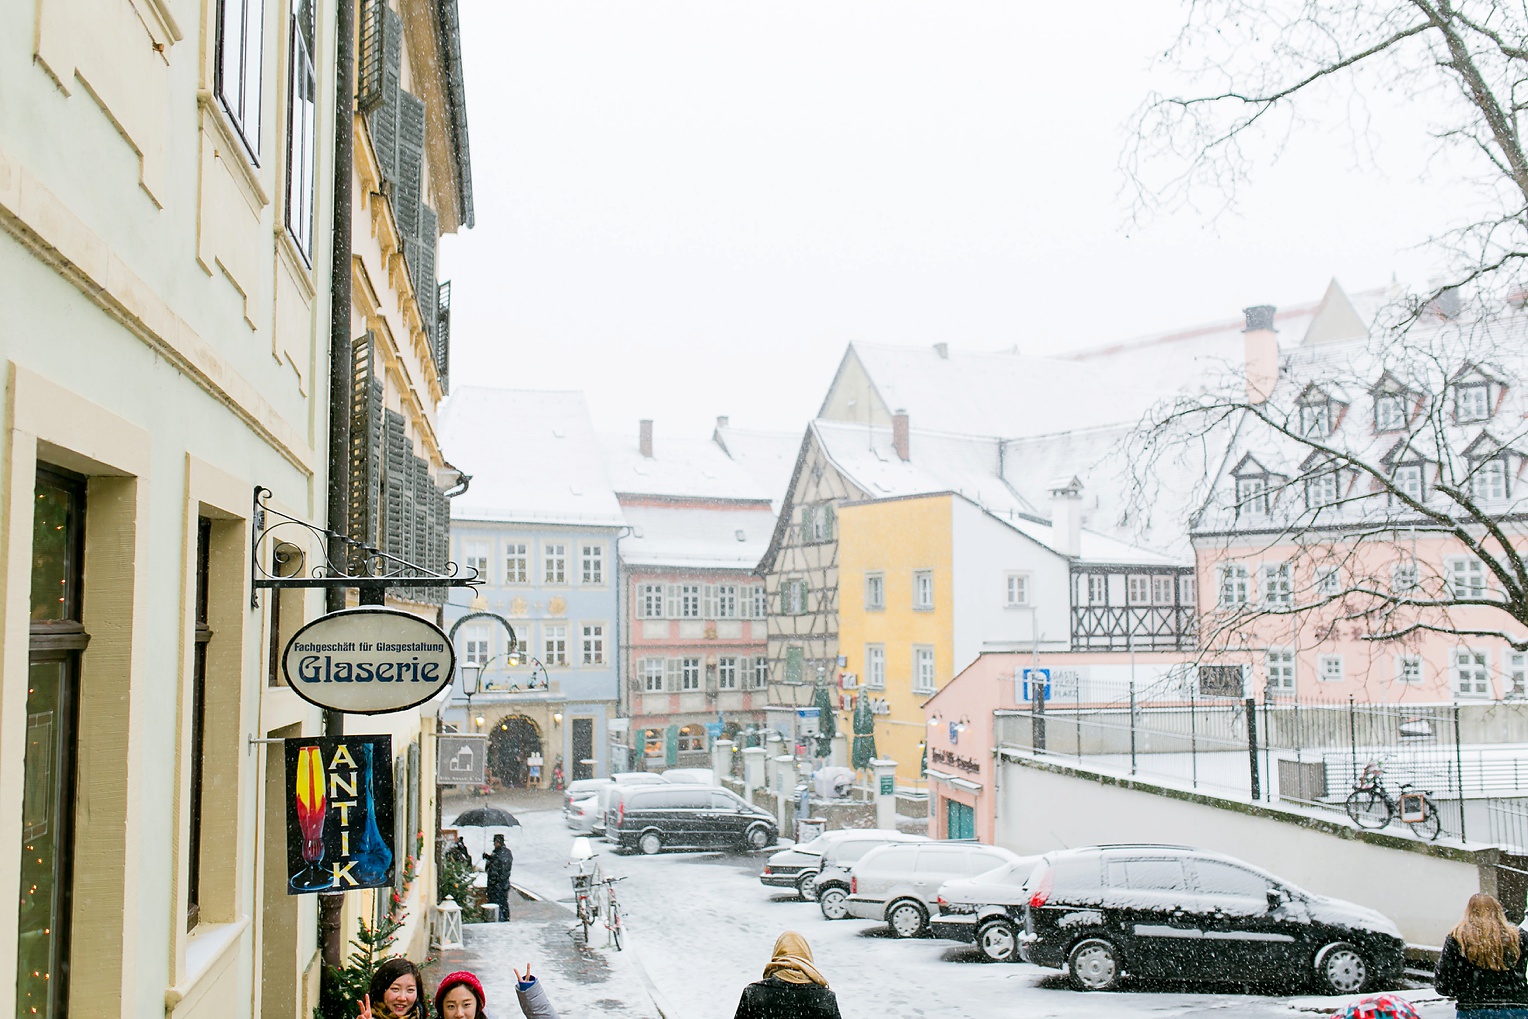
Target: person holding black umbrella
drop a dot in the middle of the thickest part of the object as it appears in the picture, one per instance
(498, 865)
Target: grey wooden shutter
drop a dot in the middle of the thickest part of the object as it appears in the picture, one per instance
(421, 495)
(383, 119)
(368, 86)
(399, 450)
(406, 199)
(709, 609)
(422, 270)
(443, 334)
(365, 480)
(671, 600)
(672, 667)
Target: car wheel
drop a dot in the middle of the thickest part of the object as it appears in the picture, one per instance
(998, 940)
(650, 843)
(1341, 969)
(756, 837)
(833, 901)
(907, 919)
(806, 886)
(1094, 965)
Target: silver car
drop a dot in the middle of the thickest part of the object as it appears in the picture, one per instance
(898, 884)
(831, 888)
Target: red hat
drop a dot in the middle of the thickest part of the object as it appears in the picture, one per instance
(459, 979)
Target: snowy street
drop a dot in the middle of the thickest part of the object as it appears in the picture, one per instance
(700, 927)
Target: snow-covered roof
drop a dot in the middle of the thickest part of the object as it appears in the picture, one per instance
(1007, 394)
(679, 468)
(533, 457)
(687, 537)
(1098, 548)
(768, 457)
(937, 462)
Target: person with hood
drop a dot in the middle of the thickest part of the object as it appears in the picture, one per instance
(792, 987)
(1483, 962)
(397, 992)
(498, 864)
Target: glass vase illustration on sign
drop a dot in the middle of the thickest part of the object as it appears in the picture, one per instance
(373, 860)
(312, 805)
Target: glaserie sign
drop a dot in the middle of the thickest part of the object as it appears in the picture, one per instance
(368, 661)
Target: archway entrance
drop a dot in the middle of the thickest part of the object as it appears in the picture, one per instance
(511, 742)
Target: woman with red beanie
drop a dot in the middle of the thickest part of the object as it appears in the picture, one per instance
(460, 996)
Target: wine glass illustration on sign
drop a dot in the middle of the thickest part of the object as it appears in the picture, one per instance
(312, 805)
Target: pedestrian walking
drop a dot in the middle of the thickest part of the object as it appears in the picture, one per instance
(533, 1000)
(499, 863)
(460, 996)
(1482, 963)
(397, 992)
(792, 987)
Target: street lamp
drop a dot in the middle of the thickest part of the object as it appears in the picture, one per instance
(472, 674)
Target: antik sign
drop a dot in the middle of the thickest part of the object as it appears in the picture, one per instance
(368, 661)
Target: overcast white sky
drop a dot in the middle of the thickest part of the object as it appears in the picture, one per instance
(688, 209)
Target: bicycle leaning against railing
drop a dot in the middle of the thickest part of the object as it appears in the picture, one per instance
(1371, 806)
(586, 881)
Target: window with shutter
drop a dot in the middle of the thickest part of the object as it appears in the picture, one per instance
(672, 668)
(710, 607)
(671, 599)
(443, 334)
(366, 442)
(407, 199)
(395, 507)
(368, 83)
(422, 269)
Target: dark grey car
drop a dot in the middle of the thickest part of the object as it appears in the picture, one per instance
(654, 818)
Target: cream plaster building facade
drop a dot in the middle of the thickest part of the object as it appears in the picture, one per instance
(167, 177)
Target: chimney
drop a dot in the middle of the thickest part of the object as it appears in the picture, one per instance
(1066, 515)
(1261, 343)
(899, 435)
(645, 438)
(721, 421)
(943, 350)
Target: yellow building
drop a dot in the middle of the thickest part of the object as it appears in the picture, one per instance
(896, 614)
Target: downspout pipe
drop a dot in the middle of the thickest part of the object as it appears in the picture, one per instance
(330, 906)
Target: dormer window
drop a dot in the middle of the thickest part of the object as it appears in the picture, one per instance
(1321, 490)
(1472, 402)
(1319, 413)
(1488, 480)
(1254, 487)
(1391, 412)
(1410, 481)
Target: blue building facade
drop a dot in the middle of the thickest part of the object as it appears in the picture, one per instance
(539, 524)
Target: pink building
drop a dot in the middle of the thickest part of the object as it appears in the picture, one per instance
(692, 650)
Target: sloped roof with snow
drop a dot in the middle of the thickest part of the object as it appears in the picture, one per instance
(938, 462)
(678, 468)
(768, 457)
(533, 457)
(1007, 394)
(687, 537)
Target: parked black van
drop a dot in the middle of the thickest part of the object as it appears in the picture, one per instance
(1170, 912)
(652, 818)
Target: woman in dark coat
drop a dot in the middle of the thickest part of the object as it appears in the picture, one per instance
(791, 989)
(1482, 964)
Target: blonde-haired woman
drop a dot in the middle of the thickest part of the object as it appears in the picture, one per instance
(1482, 963)
(792, 987)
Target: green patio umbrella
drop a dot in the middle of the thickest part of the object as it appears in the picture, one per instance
(827, 720)
(863, 751)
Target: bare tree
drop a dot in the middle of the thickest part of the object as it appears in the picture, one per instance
(1261, 67)
(1377, 490)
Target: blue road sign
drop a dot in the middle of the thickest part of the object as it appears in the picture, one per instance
(1042, 678)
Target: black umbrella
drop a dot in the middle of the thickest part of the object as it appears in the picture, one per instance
(486, 817)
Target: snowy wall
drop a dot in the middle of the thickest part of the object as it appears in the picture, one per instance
(1421, 886)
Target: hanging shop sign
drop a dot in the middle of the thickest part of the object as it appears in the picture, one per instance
(461, 759)
(339, 795)
(368, 661)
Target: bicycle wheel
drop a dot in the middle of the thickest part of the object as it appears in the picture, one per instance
(615, 932)
(1430, 826)
(1369, 808)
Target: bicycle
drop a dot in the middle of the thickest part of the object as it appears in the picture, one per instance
(613, 912)
(585, 904)
(1371, 806)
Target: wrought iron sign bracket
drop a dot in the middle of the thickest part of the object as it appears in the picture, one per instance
(279, 562)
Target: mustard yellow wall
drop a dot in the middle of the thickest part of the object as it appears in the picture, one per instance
(897, 537)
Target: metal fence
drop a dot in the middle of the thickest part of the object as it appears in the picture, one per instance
(1472, 759)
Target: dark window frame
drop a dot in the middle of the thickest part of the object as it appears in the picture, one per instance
(198, 764)
(242, 104)
(302, 141)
